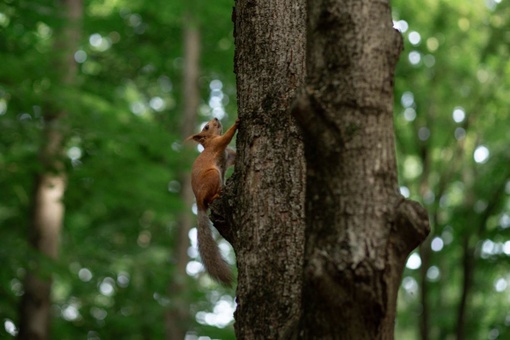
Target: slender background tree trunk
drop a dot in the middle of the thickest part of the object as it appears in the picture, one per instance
(177, 317)
(475, 229)
(425, 250)
(467, 282)
(47, 206)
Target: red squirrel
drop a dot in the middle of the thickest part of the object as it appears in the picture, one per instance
(207, 179)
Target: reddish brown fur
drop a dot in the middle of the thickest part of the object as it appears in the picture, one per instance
(207, 178)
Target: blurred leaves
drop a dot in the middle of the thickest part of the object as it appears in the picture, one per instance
(124, 155)
(451, 117)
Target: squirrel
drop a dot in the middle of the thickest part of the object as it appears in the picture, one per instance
(207, 179)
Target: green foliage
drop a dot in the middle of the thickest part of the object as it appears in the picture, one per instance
(450, 110)
(123, 157)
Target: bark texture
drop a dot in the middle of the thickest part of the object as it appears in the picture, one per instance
(360, 230)
(177, 317)
(334, 272)
(267, 195)
(47, 206)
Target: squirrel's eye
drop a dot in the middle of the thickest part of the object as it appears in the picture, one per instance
(206, 127)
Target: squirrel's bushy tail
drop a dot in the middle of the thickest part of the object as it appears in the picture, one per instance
(209, 251)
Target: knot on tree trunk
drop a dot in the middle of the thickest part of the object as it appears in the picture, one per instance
(411, 225)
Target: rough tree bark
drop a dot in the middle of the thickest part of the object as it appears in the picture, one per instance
(265, 200)
(47, 206)
(177, 317)
(360, 230)
(334, 272)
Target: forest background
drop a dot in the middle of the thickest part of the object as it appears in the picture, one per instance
(124, 156)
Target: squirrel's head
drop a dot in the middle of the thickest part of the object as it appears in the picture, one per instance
(212, 128)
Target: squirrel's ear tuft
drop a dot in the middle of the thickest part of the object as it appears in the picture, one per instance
(197, 138)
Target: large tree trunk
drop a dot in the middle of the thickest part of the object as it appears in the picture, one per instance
(359, 229)
(267, 199)
(47, 206)
(177, 318)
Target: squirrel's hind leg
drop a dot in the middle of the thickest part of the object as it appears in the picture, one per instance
(210, 187)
